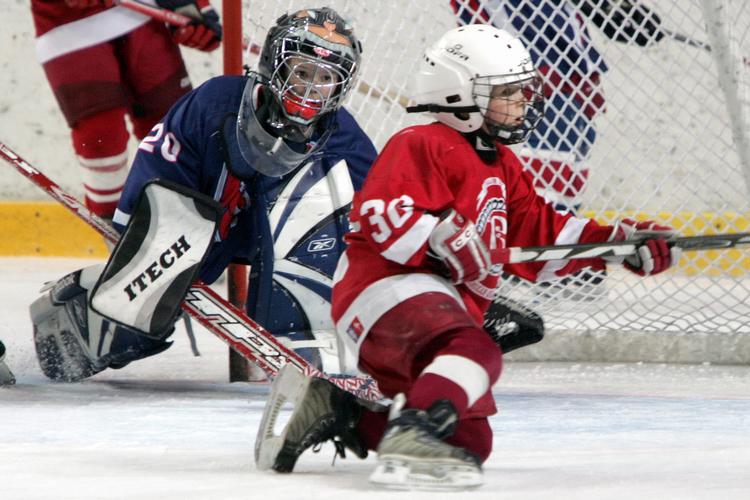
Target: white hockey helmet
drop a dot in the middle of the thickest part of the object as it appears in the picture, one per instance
(458, 72)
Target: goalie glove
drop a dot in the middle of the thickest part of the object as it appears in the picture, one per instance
(653, 254)
(202, 34)
(624, 21)
(512, 325)
(455, 241)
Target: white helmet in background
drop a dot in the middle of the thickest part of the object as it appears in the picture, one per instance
(457, 73)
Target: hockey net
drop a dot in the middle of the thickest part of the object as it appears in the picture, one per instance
(673, 145)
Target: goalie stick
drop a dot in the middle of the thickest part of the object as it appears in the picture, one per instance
(218, 316)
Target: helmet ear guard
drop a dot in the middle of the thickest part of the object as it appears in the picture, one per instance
(457, 75)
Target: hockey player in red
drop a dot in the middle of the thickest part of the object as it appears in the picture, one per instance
(411, 291)
(106, 62)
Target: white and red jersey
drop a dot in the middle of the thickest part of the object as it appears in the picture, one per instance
(422, 172)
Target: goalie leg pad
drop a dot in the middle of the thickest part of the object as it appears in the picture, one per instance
(156, 259)
(72, 342)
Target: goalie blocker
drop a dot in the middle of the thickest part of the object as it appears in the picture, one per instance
(97, 318)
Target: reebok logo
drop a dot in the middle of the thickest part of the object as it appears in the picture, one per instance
(321, 245)
(154, 270)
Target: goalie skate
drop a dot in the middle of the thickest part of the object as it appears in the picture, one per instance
(6, 376)
(321, 412)
(413, 455)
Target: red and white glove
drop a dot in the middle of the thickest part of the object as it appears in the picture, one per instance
(653, 254)
(202, 34)
(455, 241)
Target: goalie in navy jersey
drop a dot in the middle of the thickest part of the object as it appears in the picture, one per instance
(257, 169)
(419, 273)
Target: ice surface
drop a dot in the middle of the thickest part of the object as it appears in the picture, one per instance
(172, 427)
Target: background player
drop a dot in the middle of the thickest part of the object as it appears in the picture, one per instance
(104, 63)
(282, 158)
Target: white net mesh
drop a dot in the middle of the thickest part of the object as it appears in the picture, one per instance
(673, 145)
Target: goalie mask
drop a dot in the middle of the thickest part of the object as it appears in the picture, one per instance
(308, 64)
(478, 76)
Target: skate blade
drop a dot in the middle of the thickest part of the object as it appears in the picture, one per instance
(406, 474)
(289, 385)
(6, 376)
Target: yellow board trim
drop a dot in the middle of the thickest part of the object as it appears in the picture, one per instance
(46, 229)
(733, 262)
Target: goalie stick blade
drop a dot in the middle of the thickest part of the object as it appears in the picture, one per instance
(289, 386)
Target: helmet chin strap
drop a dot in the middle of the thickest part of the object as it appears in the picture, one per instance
(484, 145)
(498, 131)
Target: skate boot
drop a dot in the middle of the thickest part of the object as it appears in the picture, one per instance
(6, 376)
(321, 412)
(414, 455)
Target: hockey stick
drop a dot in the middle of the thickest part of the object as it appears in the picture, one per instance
(515, 255)
(222, 319)
(167, 16)
(164, 15)
(692, 42)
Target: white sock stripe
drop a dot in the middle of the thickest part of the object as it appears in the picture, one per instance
(467, 374)
(104, 181)
(108, 161)
(103, 198)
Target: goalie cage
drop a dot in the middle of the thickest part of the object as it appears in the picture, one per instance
(673, 145)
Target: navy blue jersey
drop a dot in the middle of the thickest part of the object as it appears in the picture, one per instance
(288, 229)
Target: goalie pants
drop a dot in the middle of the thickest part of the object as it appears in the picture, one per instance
(429, 348)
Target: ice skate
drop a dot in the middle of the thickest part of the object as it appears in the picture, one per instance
(6, 376)
(413, 455)
(321, 412)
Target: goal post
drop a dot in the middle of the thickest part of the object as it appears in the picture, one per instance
(672, 143)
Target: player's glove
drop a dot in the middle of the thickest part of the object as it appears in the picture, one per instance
(455, 241)
(654, 254)
(625, 21)
(202, 34)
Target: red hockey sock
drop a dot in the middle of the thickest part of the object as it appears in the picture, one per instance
(461, 366)
(100, 142)
(371, 427)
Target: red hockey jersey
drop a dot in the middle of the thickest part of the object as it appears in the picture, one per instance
(422, 172)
